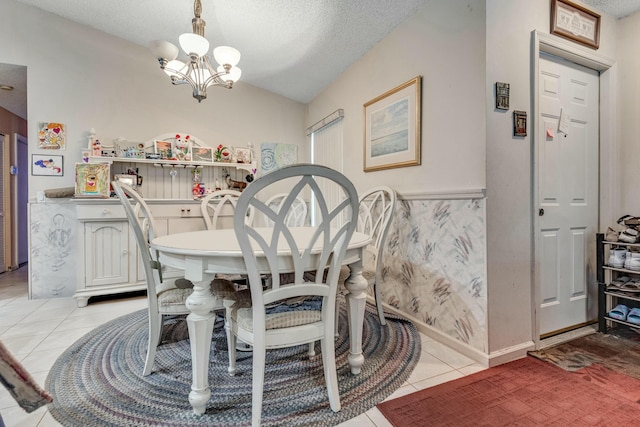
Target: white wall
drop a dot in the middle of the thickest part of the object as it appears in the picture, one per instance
(88, 79)
(629, 83)
(443, 42)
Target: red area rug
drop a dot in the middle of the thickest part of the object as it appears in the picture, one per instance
(526, 392)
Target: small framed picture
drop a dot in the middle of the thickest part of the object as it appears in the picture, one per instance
(164, 148)
(202, 154)
(519, 123)
(46, 164)
(502, 96)
(51, 136)
(243, 155)
(92, 180)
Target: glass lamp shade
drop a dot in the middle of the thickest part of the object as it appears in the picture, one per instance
(163, 49)
(175, 65)
(226, 55)
(193, 43)
(234, 74)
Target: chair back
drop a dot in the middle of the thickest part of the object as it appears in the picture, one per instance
(296, 215)
(374, 218)
(219, 204)
(323, 249)
(142, 224)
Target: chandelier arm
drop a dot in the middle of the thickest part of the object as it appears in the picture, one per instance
(214, 78)
(179, 78)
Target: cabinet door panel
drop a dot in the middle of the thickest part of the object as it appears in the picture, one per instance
(107, 253)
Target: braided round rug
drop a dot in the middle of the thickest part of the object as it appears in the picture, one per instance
(98, 380)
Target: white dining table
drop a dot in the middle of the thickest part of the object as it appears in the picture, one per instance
(202, 254)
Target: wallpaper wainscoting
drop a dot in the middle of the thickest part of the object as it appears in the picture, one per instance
(434, 266)
(52, 250)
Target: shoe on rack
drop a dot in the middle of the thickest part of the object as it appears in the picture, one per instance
(619, 312)
(629, 236)
(632, 261)
(617, 257)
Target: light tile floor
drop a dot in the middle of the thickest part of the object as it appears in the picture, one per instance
(38, 331)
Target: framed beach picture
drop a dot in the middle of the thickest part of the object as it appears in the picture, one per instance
(392, 128)
(92, 180)
(202, 154)
(164, 148)
(46, 164)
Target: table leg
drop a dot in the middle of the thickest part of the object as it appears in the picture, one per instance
(200, 323)
(356, 300)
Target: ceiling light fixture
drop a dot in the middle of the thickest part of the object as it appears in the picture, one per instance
(6, 87)
(198, 71)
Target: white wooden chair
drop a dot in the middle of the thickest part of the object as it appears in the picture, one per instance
(167, 290)
(274, 317)
(296, 215)
(374, 218)
(219, 204)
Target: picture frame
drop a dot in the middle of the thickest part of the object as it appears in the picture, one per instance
(164, 148)
(129, 149)
(47, 165)
(519, 123)
(576, 23)
(92, 180)
(202, 154)
(502, 96)
(392, 127)
(51, 136)
(243, 155)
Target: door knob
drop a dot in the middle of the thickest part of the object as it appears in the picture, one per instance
(540, 212)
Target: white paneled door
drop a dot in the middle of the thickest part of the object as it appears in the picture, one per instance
(567, 177)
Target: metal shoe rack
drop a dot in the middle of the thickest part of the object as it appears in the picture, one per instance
(608, 296)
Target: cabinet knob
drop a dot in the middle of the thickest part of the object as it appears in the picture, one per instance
(125, 251)
(106, 211)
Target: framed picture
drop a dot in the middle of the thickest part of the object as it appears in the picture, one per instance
(128, 149)
(202, 154)
(575, 22)
(519, 123)
(502, 96)
(392, 128)
(46, 164)
(164, 148)
(51, 136)
(243, 155)
(92, 180)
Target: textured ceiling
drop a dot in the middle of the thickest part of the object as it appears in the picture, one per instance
(615, 8)
(293, 48)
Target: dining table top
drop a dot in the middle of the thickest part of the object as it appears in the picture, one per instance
(223, 242)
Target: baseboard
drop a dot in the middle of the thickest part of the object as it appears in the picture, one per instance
(487, 360)
(462, 348)
(510, 354)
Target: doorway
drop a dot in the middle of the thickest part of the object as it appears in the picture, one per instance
(20, 199)
(564, 285)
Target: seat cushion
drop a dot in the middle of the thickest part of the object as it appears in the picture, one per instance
(244, 318)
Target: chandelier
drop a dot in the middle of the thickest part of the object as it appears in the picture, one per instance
(198, 71)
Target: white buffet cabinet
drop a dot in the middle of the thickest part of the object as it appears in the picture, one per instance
(108, 260)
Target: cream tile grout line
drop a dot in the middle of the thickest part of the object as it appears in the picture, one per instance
(15, 284)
